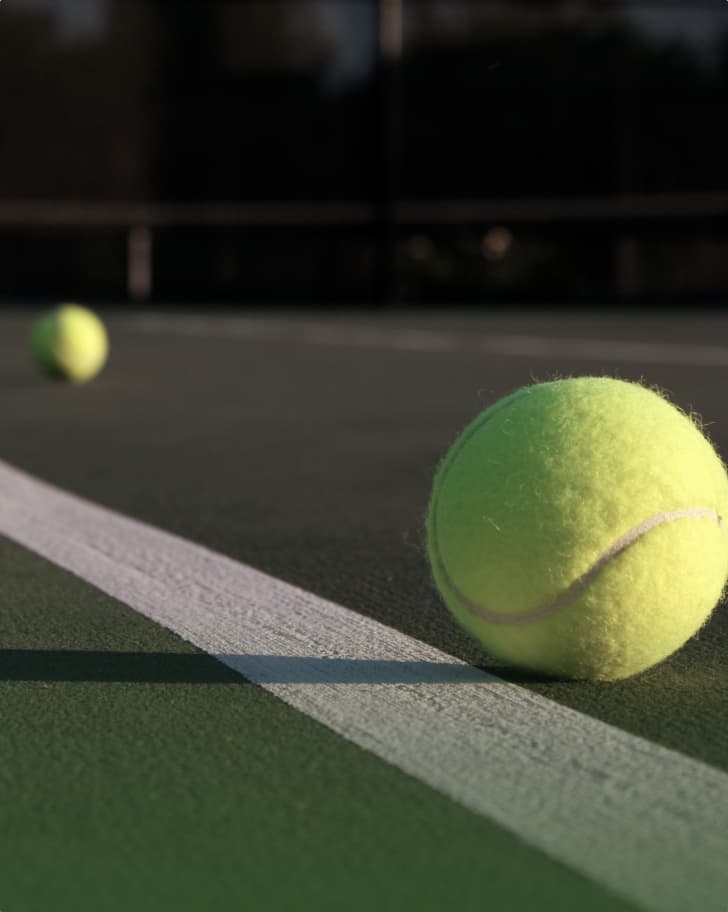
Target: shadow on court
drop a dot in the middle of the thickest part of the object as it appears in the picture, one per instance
(188, 668)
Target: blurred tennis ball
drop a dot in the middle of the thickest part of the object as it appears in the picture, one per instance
(70, 342)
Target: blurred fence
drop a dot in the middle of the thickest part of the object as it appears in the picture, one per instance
(666, 245)
(303, 151)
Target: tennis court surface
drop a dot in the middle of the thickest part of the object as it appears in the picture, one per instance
(227, 679)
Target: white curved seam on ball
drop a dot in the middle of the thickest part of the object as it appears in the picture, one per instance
(575, 589)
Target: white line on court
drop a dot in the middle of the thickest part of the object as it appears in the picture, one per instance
(433, 341)
(646, 822)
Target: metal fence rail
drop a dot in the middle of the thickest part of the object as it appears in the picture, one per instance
(140, 220)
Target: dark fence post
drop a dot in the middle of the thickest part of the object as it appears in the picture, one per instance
(391, 15)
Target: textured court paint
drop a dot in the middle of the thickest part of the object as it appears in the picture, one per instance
(431, 341)
(199, 801)
(646, 822)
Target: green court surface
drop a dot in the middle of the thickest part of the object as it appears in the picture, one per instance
(136, 771)
(142, 774)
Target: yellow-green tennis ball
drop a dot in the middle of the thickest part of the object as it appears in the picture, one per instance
(576, 528)
(70, 342)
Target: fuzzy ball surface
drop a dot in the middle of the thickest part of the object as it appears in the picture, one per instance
(576, 528)
(70, 342)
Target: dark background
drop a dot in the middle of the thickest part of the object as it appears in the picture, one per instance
(295, 152)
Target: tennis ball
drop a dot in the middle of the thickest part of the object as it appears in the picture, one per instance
(576, 528)
(70, 342)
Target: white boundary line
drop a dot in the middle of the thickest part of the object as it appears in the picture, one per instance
(348, 335)
(647, 823)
